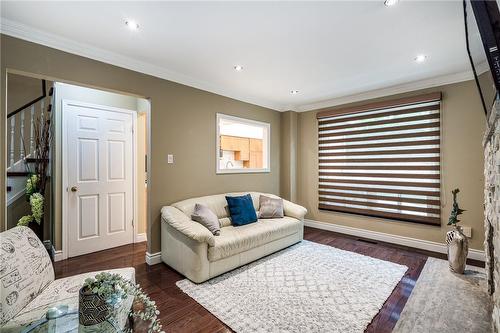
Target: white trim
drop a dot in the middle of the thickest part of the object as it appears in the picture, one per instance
(153, 258)
(64, 176)
(64, 188)
(15, 196)
(22, 31)
(135, 198)
(389, 238)
(58, 255)
(393, 90)
(21, 186)
(141, 238)
(220, 171)
(19, 165)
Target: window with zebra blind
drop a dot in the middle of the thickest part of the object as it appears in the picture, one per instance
(382, 159)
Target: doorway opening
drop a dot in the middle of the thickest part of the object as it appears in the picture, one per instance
(95, 195)
(103, 169)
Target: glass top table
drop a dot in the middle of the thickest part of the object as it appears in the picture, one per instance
(62, 319)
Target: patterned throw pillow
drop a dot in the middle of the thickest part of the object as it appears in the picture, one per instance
(241, 210)
(270, 208)
(207, 218)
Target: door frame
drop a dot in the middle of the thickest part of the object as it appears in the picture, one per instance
(64, 184)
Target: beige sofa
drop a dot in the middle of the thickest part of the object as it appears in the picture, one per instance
(28, 287)
(192, 250)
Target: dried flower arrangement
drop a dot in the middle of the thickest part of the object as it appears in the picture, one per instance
(38, 170)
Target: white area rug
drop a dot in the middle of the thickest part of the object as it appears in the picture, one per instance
(308, 287)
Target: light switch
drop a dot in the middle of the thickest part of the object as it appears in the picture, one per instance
(467, 231)
(170, 159)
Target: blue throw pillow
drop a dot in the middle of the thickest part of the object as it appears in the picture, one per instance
(241, 210)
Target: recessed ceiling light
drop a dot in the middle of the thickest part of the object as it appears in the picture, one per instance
(389, 3)
(420, 58)
(238, 68)
(294, 92)
(132, 25)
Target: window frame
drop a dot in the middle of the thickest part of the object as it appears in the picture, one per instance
(349, 208)
(266, 154)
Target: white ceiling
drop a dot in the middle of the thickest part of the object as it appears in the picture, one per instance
(326, 50)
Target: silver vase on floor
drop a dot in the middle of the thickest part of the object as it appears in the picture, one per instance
(458, 248)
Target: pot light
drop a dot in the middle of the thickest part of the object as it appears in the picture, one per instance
(294, 92)
(420, 58)
(132, 25)
(389, 3)
(238, 68)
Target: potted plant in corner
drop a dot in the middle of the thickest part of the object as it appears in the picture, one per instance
(456, 241)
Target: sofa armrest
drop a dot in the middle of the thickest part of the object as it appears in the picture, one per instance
(182, 223)
(293, 210)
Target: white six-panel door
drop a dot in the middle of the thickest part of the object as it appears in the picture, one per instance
(98, 155)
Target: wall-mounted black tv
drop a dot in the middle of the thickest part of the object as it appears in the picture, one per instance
(482, 28)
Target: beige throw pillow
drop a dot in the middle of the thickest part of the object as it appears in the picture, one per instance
(207, 218)
(270, 208)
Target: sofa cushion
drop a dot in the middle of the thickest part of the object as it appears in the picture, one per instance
(241, 209)
(234, 240)
(270, 207)
(207, 218)
(225, 222)
(216, 203)
(61, 291)
(25, 270)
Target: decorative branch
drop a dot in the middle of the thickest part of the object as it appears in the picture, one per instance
(38, 172)
(43, 139)
(455, 211)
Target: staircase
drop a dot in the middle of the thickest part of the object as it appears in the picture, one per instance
(21, 127)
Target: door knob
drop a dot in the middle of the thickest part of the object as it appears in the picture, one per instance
(74, 189)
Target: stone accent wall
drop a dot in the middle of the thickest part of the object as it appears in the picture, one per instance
(492, 210)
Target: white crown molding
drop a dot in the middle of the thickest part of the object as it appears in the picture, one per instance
(22, 31)
(389, 238)
(153, 258)
(397, 89)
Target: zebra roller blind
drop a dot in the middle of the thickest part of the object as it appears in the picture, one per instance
(382, 159)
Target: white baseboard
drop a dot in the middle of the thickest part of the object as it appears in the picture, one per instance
(388, 238)
(58, 255)
(141, 238)
(153, 258)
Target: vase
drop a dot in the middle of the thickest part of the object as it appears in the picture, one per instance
(458, 248)
(92, 308)
(37, 229)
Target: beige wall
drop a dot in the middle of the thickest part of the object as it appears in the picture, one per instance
(288, 179)
(462, 166)
(141, 172)
(182, 123)
(21, 90)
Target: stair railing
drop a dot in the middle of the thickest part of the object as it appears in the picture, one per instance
(19, 149)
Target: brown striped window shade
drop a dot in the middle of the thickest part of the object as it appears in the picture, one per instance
(382, 159)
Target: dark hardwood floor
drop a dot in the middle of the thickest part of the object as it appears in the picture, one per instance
(180, 313)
